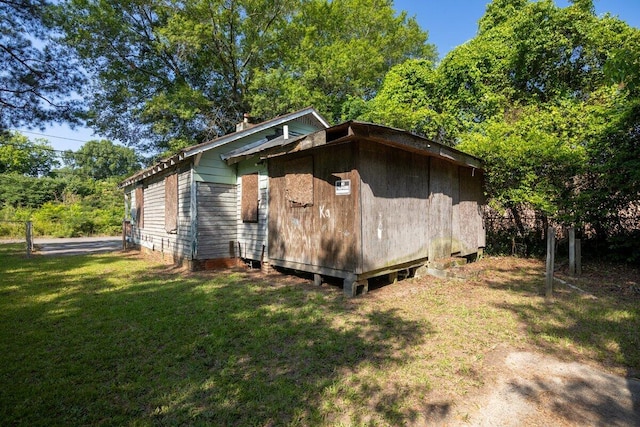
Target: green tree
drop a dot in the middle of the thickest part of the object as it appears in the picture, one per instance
(410, 98)
(173, 73)
(22, 156)
(102, 159)
(534, 94)
(335, 52)
(611, 188)
(532, 159)
(623, 63)
(38, 77)
(529, 53)
(168, 74)
(18, 190)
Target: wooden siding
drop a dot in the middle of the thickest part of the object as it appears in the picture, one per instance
(325, 233)
(441, 188)
(252, 236)
(212, 168)
(471, 230)
(395, 206)
(404, 208)
(139, 213)
(249, 197)
(217, 220)
(153, 234)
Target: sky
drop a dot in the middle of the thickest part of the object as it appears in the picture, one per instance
(452, 22)
(448, 22)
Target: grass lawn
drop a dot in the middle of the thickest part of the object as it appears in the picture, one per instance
(118, 340)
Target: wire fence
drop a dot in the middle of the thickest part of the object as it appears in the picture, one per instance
(524, 233)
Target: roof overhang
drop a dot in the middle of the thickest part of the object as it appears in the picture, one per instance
(352, 130)
(309, 113)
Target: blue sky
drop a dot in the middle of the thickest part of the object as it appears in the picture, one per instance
(452, 22)
(448, 22)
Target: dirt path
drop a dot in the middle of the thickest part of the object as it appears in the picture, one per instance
(537, 390)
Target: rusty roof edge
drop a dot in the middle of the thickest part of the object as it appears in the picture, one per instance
(159, 166)
(430, 147)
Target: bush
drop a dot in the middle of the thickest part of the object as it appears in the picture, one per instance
(98, 211)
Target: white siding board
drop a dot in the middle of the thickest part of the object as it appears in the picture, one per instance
(216, 219)
(153, 235)
(212, 168)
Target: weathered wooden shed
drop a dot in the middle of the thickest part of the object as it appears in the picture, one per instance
(197, 209)
(359, 200)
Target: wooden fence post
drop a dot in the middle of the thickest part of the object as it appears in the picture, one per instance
(124, 234)
(551, 247)
(572, 251)
(578, 257)
(29, 233)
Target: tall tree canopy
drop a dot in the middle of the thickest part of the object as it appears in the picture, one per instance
(335, 51)
(173, 73)
(411, 98)
(546, 96)
(38, 77)
(102, 159)
(22, 156)
(548, 75)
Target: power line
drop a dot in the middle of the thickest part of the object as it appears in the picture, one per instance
(50, 136)
(39, 147)
(61, 154)
(58, 153)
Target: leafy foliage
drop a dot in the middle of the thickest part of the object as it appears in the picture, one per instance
(80, 199)
(21, 156)
(336, 51)
(168, 74)
(103, 159)
(167, 71)
(529, 164)
(38, 77)
(410, 98)
(18, 190)
(611, 190)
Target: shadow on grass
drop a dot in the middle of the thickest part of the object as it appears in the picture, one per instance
(580, 403)
(573, 326)
(110, 340)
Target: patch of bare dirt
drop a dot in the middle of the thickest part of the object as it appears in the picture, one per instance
(537, 390)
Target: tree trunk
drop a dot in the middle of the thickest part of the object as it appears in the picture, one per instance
(518, 220)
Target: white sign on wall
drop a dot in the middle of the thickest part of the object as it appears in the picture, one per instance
(343, 187)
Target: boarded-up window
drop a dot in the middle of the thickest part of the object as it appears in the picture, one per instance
(171, 203)
(250, 198)
(140, 207)
(299, 181)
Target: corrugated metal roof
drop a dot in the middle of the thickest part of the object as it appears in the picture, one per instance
(242, 153)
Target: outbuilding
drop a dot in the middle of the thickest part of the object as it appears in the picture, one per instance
(360, 200)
